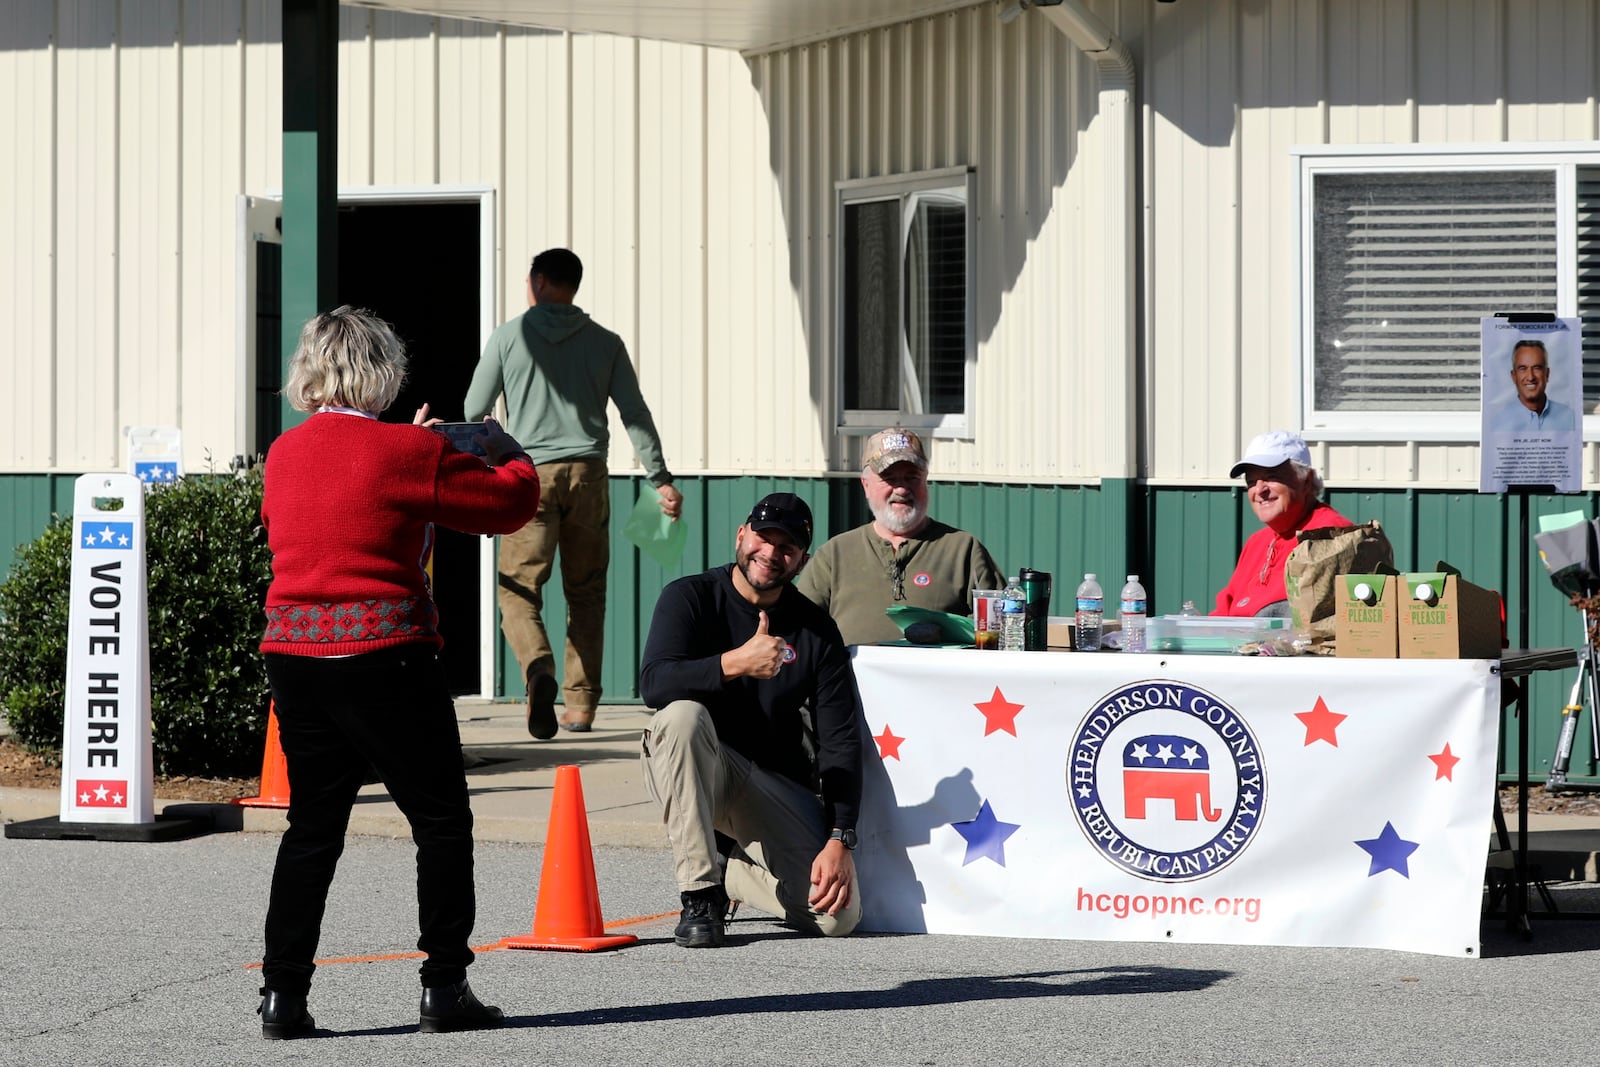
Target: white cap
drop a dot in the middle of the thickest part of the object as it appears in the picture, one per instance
(1272, 448)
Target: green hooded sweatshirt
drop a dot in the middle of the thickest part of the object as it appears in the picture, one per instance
(558, 368)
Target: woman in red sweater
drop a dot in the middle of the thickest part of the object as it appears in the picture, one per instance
(352, 650)
(1286, 495)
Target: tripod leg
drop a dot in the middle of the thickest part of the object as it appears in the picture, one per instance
(1561, 762)
(1587, 667)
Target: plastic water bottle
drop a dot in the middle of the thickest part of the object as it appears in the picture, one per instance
(1013, 617)
(1133, 615)
(1090, 614)
(1189, 609)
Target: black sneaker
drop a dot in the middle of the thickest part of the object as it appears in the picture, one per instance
(455, 1007)
(704, 912)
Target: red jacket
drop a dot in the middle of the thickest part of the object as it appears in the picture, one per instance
(1258, 578)
(348, 506)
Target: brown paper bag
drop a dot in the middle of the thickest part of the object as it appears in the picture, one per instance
(1310, 575)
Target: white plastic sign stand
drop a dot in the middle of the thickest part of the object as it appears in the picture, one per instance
(106, 774)
(107, 787)
(155, 454)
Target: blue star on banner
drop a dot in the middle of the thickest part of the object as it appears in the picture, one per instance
(1389, 852)
(106, 535)
(986, 836)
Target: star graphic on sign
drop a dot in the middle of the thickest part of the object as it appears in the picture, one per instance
(122, 539)
(88, 539)
(1141, 752)
(1191, 753)
(83, 797)
(116, 798)
(1084, 791)
(1446, 763)
(888, 743)
(1321, 723)
(144, 475)
(107, 534)
(1389, 852)
(999, 714)
(1164, 753)
(100, 792)
(986, 836)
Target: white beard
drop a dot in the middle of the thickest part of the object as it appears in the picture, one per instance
(903, 523)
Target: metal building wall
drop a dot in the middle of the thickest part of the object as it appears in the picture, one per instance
(135, 127)
(1014, 102)
(1228, 87)
(138, 125)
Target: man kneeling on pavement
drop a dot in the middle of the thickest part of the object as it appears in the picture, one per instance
(734, 657)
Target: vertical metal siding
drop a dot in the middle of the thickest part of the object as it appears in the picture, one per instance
(27, 213)
(87, 408)
(673, 212)
(1227, 89)
(954, 89)
(209, 149)
(149, 197)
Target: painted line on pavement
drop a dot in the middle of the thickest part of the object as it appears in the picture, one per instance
(635, 921)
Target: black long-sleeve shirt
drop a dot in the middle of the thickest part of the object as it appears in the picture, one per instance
(700, 617)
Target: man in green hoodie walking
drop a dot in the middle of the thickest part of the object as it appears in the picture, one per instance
(558, 369)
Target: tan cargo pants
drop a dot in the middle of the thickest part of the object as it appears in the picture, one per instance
(703, 787)
(574, 521)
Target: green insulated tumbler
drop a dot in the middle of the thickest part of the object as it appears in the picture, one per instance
(1036, 630)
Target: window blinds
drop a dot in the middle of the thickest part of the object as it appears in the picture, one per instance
(1407, 264)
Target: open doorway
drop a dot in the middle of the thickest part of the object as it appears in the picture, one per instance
(417, 258)
(416, 266)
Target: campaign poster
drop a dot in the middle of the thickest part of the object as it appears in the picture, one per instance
(1532, 408)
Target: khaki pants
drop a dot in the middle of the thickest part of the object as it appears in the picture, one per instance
(574, 521)
(703, 787)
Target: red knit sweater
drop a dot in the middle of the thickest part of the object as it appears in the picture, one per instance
(348, 503)
(1258, 577)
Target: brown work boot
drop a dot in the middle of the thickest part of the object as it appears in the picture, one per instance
(577, 721)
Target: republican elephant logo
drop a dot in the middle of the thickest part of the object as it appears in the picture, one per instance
(1167, 767)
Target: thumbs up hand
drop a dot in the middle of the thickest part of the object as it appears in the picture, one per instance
(759, 657)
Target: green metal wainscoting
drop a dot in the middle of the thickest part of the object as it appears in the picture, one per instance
(1183, 542)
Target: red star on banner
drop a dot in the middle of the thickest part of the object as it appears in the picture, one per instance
(888, 744)
(1321, 723)
(1446, 762)
(999, 714)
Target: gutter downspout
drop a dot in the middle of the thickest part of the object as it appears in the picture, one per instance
(1117, 335)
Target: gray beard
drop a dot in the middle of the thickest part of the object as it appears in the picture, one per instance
(903, 527)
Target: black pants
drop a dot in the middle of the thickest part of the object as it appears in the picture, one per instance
(389, 709)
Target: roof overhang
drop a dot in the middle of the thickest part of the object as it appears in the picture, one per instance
(744, 25)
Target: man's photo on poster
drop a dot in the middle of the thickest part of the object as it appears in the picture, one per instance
(1535, 368)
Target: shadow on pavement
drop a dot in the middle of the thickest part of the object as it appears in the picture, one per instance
(920, 993)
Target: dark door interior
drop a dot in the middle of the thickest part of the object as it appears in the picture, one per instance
(416, 265)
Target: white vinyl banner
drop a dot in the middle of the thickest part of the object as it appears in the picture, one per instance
(106, 767)
(1219, 799)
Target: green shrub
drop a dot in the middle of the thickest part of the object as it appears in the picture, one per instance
(207, 569)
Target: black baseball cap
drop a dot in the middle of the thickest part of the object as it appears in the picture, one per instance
(786, 512)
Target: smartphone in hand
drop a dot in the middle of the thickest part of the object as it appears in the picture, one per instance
(461, 434)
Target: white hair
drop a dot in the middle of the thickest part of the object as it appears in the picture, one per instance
(1310, 480)
(347, 357)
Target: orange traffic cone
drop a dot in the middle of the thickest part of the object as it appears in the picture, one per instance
(274, 771)
(568, 912)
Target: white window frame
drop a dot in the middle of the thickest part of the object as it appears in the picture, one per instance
(1561, 159)
(960, 181)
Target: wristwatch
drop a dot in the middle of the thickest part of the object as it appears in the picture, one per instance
(848, 837)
